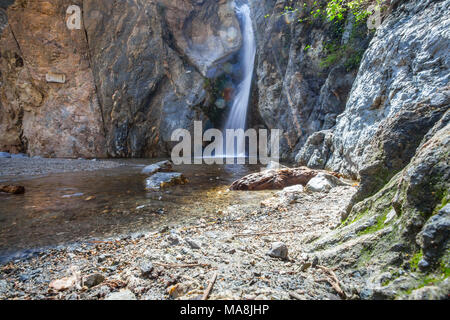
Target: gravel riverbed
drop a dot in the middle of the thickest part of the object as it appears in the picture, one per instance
(25, 167)
(178, 262)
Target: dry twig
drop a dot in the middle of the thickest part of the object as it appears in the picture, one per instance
(187, 265)
(333, 281)
(265, 233)
(210, 286)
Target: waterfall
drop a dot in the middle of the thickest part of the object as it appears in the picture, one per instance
(238, 113)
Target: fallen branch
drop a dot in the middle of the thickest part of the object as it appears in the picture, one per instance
(210, 286)
(187, 265)
(295, 295)
(333, 281)
(265, 233)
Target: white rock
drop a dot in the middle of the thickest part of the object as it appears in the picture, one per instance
(323, 182)
(123, 294)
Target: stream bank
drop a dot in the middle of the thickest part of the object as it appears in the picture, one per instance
(177, 262)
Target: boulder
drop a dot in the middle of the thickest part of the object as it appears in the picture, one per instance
(275, 179)
(164, 179)
(323, 182)
(162, 166)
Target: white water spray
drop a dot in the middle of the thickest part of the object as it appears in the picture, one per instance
(238, 113)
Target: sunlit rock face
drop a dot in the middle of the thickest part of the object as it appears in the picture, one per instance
(40, 117)
(149, 59)
(207, 32)
(118, 86)
(295, 91)
(401, 91)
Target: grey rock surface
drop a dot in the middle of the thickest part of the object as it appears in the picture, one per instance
(163, 179)
(278, 250)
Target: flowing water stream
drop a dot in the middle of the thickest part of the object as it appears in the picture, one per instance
(238, 113)
(71, 207)
(61, 208)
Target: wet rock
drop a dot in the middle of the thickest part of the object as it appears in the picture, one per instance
(19, 156)
(12, 189)
(164, 179)
(162, 166)
(93, 280)
(124, 294)
(278, 250)
(323, 182)
(274, 179)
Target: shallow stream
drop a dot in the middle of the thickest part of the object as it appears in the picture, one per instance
(70, 207)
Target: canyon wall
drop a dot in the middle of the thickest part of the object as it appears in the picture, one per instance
(132, 73)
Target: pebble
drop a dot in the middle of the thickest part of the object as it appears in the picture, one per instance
(94, 280)
(124, 294)
(278, 250)
(192, 243)
(146, 268)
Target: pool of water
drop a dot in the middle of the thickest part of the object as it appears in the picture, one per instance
(69, 207)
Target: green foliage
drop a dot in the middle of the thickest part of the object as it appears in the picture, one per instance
(377, 226)
(333, 10)
(336, 9)
(444, 201)
(334, 53)
(414, 262)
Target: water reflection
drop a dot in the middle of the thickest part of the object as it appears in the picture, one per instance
(68, 207)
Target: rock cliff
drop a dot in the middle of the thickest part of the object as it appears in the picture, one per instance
(132, 73)
(372, 105)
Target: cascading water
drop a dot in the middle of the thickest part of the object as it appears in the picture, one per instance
(238, 113)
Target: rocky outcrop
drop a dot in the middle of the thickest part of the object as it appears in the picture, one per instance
(401, 91)
(119, 85)
(280, 178)
(304, 72)
(38, 116)
(403, 229)
(394, 136)
(149, 64)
